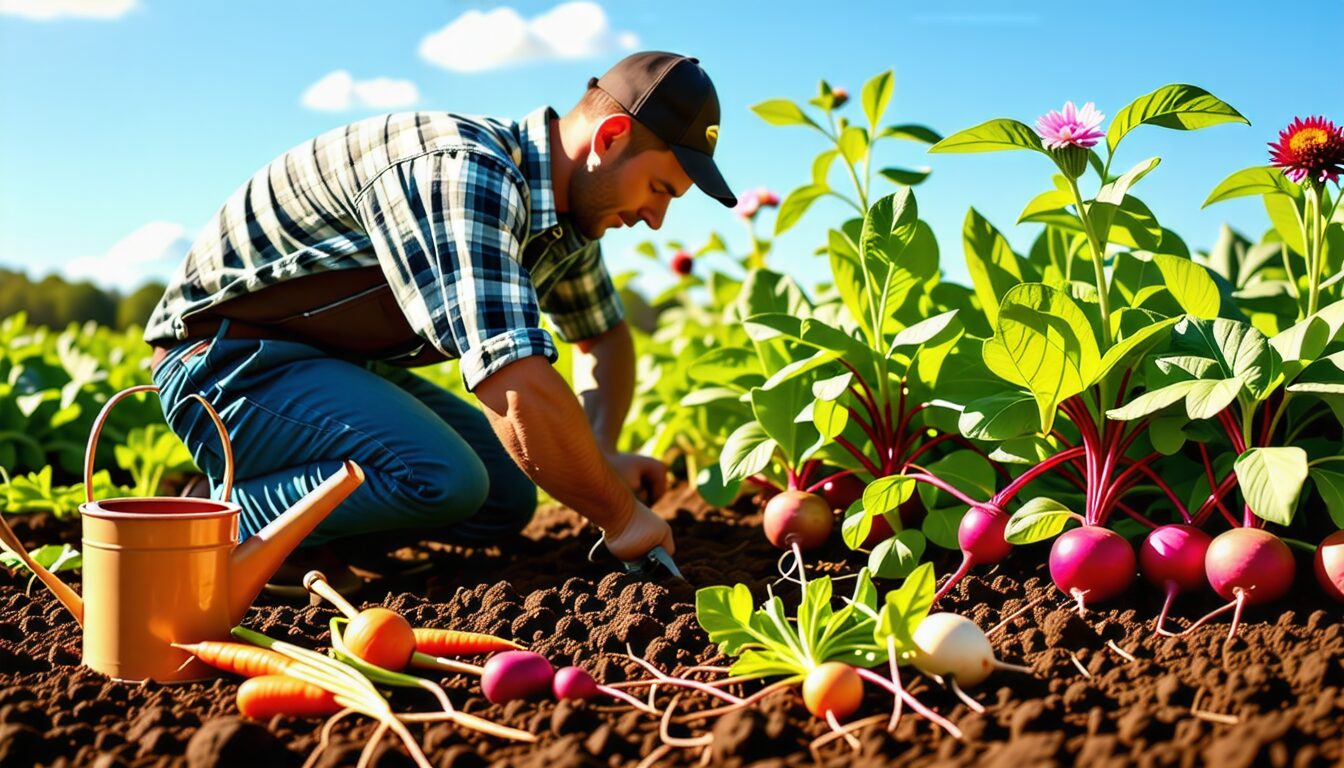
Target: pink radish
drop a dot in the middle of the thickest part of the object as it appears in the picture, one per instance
(1092, 563)
(832, 690)
(980, 537)
(1247, 566)
(574, 683)
(516, 675)
(1172, 557)
(1329, 564)
(798, 517)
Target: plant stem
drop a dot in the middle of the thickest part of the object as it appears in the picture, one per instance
(925, 476)
(858, 454)
(1007, 494)
(1314, 230)
(1098, 264)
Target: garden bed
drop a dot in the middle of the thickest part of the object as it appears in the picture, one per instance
(1271, 696)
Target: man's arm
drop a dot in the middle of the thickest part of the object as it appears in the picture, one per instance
(604, 377)
(540, 423)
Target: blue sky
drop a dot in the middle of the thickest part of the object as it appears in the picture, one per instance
(145, 121)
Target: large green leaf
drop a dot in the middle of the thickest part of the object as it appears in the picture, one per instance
(1037, 520)
(1044, 342)
(1271, 480)
(782, 112)
(991, 136)
(887, 494)
(905, 608)
(1180, 107)
(1124, 352)
(898, 556)
(796, 204)
(1190, 284)
(725, 615)
(889, 226)
(991, 262)
(1240, 350)
(1258, 180)
(1204, 399)
(1304, 342)
(777, 410)
(1001, 416)
(1323, 377)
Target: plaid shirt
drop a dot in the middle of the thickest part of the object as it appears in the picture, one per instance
(457, 210)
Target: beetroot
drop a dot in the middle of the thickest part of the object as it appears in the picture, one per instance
(516, 675)
(798, 517)
(1092, 563)
(980, 537)
(840, 492)
(1329, 564)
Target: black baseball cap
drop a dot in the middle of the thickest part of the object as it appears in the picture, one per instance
(671, 95)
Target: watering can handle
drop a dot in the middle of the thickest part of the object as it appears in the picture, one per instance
(102, 419)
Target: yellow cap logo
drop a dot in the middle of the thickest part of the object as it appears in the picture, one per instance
(712, 135)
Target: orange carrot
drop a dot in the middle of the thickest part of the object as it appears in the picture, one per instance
(238, 658)
(270, 695)
(451, 642)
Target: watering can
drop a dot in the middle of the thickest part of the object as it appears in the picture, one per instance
(159, 571)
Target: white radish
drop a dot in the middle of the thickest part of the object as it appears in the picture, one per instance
(952, 646)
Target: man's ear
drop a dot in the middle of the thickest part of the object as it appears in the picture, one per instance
(611, 130)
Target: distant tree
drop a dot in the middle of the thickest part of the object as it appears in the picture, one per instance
(136, 308)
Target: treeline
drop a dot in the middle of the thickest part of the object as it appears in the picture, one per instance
(55, 302)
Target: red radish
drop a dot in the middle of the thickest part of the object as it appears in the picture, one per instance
(1172, 557)
(798, 517)
(516, 675)
(1329, 562)
(950, 645)
(264, 697)
(980, 537)
(842, 491)
(880, 532)
(1247, 566)
(1092, 563)
(381, 637)
(574, 683)
(832, 688)
(682, 262)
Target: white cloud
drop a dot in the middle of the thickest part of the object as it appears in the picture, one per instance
(151, 252)
(338, 91)
(480, 41)
(47, 10)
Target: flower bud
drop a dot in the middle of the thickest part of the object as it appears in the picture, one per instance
(838, 98)
(682, 262)
(1072, 160)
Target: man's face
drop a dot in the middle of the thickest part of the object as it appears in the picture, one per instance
(625, 188)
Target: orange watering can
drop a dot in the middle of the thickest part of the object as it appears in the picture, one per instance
(159, 571)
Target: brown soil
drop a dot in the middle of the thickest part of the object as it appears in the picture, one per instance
(1272, 696)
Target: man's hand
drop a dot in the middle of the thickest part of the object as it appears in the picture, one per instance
(643, 475)
(641, 532)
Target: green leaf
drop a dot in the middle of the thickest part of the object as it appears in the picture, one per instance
(1179, 107)
(53, 557)
(1204, 399)
(940, 526)
(725, 615)
(747, 451)
(1259, 180)
(991, 136)
(905, 176)
(832, 388)
(1037, 520)
(911, 132)
(1045, 343)
(829, 418)
(887, 494)
(898, 556)
(1286, 216)
(906, 607)
(853, 144)
(992, 264)
(821, 167)
(1167, 434)
(1132, 346)
(795, 205)
(856, 526)
(1001, 416)
(709, 483)
(1304, 342)
(889, 226)
(923, 331)
(1331, 487)
(1242, 351)
(876, 95)
(1271, 479)
(1190, 284)
(782, 112)
(776, 410)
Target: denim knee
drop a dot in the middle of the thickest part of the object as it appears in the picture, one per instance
(443, 493)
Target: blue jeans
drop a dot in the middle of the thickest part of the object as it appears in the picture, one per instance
(294, 414)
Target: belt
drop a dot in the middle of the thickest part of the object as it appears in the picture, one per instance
(235, 330)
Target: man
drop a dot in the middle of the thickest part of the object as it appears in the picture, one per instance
(412, 238)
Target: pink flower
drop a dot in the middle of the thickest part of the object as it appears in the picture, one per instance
(750, 202)
(838, 98)
(1073, 128)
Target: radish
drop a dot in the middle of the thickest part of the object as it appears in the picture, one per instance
(951, 645)
(842, 490)
(1093, 563)
(1329, 563)
(1247, 566)
(1172, 557)
(798, 517)
(574, 683)
(832, 689)
(980, 537)
(516, 675)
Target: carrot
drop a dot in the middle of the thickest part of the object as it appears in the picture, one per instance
(270, 695)
(238, 658)
(451, 642)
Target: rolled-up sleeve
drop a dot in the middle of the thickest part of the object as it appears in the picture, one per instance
(584, 303)
(448, 228)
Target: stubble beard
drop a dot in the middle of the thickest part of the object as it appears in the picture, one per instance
(593, 197)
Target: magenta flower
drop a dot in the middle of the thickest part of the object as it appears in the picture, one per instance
(1309, 149)
(1071, 128)
(751, 201)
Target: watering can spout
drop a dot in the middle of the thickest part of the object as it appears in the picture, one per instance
(256, 560)
(68, 597)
